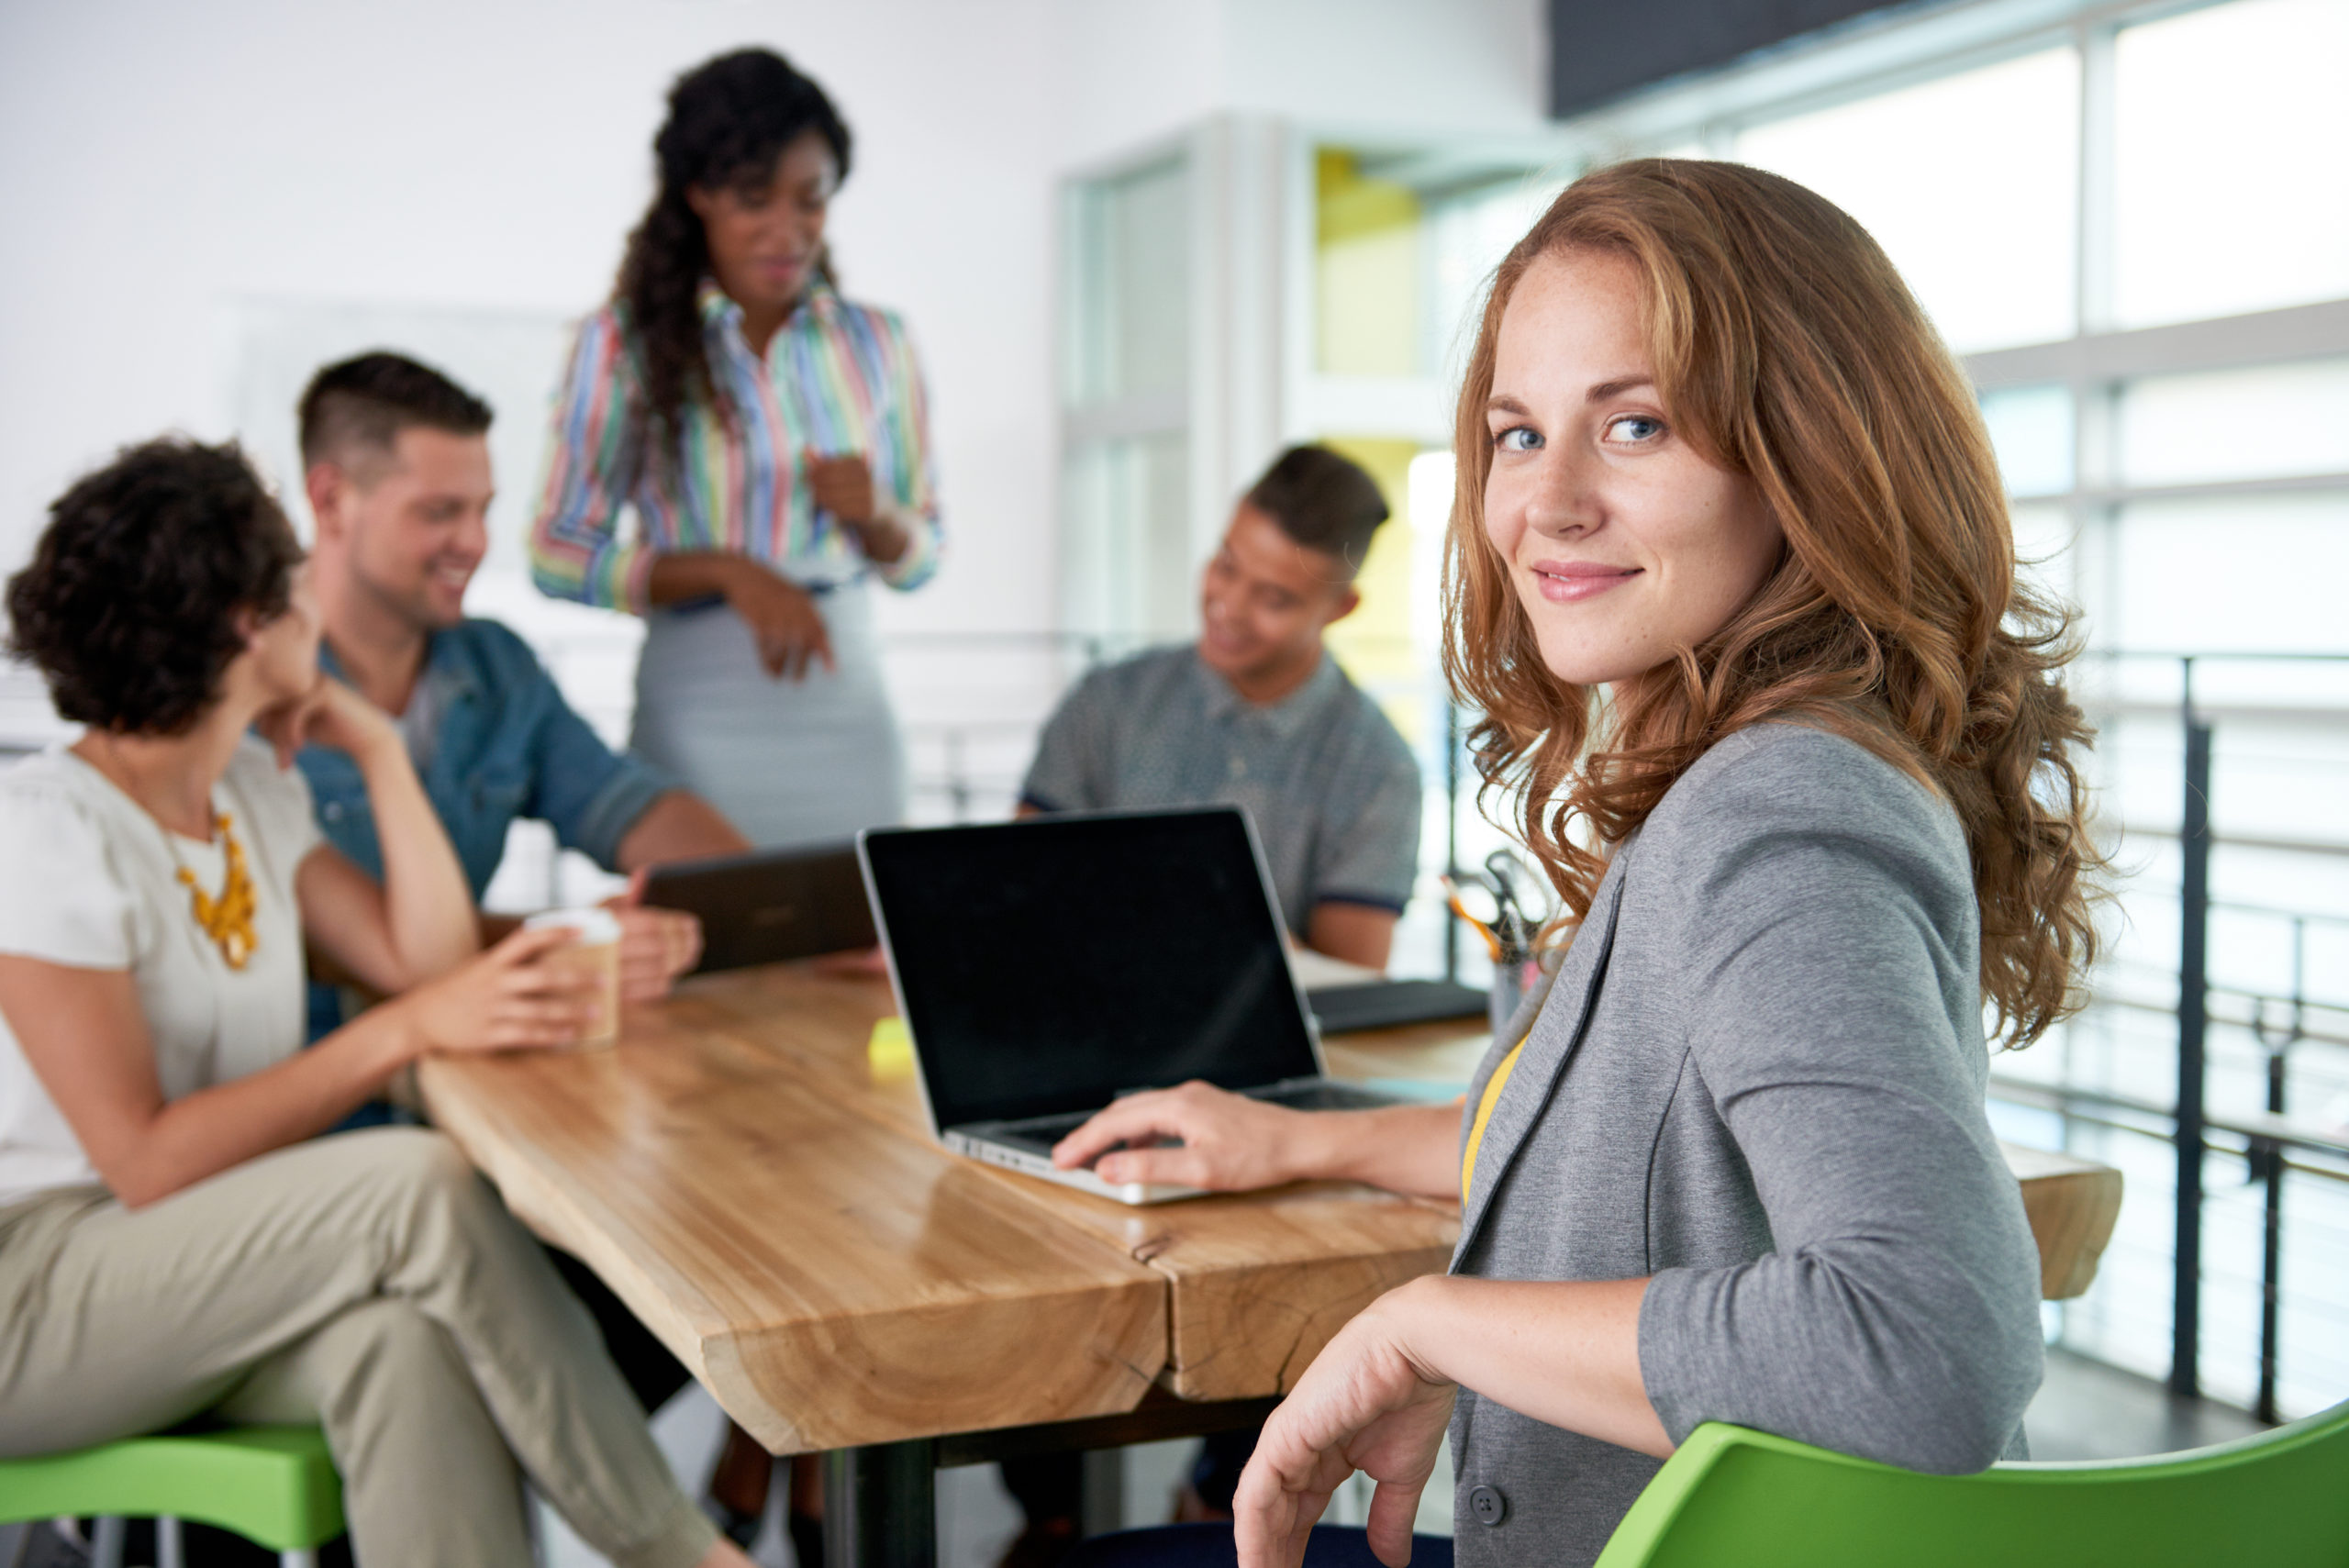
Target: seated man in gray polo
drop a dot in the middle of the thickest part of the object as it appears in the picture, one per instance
(1258, 714)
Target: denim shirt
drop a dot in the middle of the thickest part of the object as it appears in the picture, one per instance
(506, 745)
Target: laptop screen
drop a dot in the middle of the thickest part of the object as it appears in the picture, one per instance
(1047, 965)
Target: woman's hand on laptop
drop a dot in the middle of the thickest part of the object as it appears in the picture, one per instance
(1197, 1136)
(1201, 1136)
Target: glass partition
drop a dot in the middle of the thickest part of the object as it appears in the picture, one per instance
(1132, 239)
(1126, 419)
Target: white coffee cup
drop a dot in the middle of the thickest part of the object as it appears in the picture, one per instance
(594, 949)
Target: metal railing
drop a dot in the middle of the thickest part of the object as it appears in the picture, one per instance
(2192, 1122)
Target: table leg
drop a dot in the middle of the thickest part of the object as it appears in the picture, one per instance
(881, 1506)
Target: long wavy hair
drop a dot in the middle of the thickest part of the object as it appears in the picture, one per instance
(730, 119)
(1789, 350)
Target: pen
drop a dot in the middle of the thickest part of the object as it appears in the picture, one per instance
(1451, 896)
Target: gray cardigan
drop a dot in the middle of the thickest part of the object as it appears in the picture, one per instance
(1759, 1078)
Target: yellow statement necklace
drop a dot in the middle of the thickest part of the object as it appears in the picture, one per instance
(227, 919)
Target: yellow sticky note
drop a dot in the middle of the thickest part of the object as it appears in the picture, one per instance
(890, 1052)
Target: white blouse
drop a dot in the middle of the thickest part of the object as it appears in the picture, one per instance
(88, 879)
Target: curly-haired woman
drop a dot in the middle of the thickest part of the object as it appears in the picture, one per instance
(772, 439)
(173, 1238)
(1731, 581)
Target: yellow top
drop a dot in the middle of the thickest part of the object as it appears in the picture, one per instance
(1484, 1113)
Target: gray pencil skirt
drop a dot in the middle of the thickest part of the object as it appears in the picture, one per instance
(788, 761)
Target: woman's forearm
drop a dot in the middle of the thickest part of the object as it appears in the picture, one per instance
(427, 905)
(210, 1131)
(1403, 1149)
(1565, 1352)
(884, 538)
(685, 574)
(1201, 1136)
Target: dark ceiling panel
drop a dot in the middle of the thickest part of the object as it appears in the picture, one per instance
(1601, 50)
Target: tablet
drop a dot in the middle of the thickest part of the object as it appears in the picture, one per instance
(770, 905)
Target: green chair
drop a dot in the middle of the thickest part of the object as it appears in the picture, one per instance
(1731, 1496)
(275, 1485)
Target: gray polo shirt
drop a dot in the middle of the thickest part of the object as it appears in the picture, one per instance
(1333, 790)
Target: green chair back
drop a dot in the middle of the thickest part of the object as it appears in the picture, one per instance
(275, 1485)
(1731, 1496)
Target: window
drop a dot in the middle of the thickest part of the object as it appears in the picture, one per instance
(1968, 182)
(1133, 273)
(1126, 568)
(2232, 160)
(1126, 484)
(2281, 420)
(2032, 429)
(2259, 574)
(1469, 232)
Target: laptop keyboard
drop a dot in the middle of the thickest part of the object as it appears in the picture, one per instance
(1039, 1133)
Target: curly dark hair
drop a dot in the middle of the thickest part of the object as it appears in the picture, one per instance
(128, 606)
(730, 119)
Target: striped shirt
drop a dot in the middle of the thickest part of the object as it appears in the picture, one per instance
(839, 379)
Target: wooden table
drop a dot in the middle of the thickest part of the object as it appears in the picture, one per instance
(786, 1224)
(780, 1217)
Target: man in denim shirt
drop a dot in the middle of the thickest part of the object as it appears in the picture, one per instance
(396, 468)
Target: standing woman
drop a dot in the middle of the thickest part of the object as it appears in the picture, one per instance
(1731, 579)
(772, 439)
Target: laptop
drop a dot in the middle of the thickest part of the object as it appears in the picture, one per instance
(1383, 1004)
(1045, 967)
(770, 905)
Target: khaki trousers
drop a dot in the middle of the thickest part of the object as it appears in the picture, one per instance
(370, 1282)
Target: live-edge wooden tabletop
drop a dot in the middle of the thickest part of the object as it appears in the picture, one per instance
(775, 1208)
(779, 1215)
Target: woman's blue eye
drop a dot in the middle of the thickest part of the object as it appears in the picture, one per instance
(1518, 438)
(1634, 427)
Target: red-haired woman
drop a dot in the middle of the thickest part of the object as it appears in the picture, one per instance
(1731, 581)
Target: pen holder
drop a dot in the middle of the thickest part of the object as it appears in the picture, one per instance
(1510, 976)
(1513, 975)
